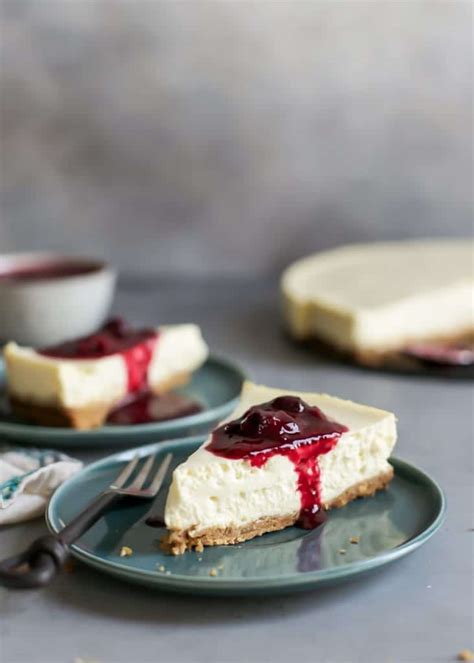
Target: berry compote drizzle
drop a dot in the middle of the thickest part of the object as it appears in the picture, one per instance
(288, 426)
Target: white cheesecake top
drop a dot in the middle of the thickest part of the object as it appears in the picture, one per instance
(382, 294)
(364, 276)
(354, 416)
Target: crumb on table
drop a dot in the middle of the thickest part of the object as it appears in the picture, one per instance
(126, 551)
(213, 572)
(69, 566)
(354, 539)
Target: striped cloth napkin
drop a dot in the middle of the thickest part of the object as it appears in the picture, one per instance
(28, 477)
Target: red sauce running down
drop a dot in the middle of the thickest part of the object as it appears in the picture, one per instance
(115, 337)
(290, 427)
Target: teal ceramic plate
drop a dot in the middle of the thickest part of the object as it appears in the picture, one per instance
(216, 385)
(389, 525)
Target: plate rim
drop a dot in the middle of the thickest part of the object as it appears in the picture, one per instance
(24, 430)
(180, 582)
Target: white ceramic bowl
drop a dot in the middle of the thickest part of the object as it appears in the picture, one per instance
(47, 298)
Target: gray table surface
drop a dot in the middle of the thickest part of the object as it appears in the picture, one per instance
(417, 609)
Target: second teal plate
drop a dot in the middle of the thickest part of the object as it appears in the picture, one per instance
(392, 524)
(216, 385)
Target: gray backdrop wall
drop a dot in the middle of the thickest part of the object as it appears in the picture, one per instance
(205, 137)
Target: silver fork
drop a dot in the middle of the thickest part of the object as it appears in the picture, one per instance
(37, 565)
(135, 489)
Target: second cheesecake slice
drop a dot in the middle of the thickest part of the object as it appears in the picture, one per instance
(78, 383)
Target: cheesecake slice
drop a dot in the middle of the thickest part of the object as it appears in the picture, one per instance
(372, 300)
(78, 383)
(281, 458)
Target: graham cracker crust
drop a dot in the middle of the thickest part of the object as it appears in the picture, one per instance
(383, 358)
(398, 357)
(176, 542)
(82, 418)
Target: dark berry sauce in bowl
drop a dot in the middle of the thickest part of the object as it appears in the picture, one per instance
(46, 298)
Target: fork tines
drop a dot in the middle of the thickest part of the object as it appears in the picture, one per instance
(145, 475)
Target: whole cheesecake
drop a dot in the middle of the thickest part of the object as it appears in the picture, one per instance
(281, 458)
(371, 300)
(78, 383)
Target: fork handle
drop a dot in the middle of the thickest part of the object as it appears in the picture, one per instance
(88, 517)
(39, 563)
(36, 566)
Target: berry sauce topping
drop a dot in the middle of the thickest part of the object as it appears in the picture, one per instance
(115, 337)
(456, 354)
(289, 427)
(147, 408)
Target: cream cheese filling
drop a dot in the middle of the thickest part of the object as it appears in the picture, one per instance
(211, 491)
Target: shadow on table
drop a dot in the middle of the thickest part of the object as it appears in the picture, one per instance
(89, 591)
(258, 332)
